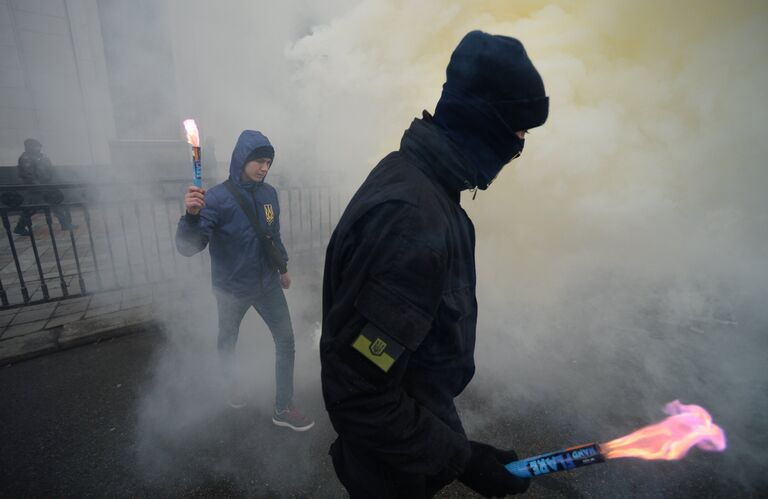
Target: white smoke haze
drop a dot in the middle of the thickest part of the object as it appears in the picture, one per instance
(189, 437)
(621, 260)
(232, 75)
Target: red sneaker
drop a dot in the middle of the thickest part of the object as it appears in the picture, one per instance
(292, 419)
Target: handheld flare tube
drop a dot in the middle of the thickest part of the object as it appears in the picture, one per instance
(688, 425)
(562, 460)
(197, 170)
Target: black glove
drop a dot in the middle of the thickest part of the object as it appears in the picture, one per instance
(485, 472)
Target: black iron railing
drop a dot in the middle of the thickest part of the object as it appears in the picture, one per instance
(121, 235)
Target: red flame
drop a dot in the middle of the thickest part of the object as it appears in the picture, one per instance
(193, 137)
(686, 426)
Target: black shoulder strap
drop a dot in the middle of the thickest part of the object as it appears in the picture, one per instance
(247, 208)
(267, 243)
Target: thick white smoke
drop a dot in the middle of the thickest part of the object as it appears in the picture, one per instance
(621, 260)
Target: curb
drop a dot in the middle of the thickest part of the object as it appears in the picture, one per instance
(74, 334)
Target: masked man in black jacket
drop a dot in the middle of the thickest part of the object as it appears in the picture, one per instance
(399, 307)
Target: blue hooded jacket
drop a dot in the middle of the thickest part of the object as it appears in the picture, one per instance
(239, 264)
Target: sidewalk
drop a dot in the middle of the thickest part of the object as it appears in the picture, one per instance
(116, 253)
(30, 331)
(34, 330)
(129, 252)
(137, 267)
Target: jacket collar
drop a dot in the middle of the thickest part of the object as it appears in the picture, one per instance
(433, 154)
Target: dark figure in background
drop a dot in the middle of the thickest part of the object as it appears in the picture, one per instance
(242, 271)
(399, 307)
(35, 168)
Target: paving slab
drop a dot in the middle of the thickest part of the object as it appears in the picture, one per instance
(25, 315)
(64, 319)
(103, 326)
(106, 309)
(9, 311)
(39, 306)
(10, 282)
(35, 292)
(30, 345)
(107, 298)
(137, 292)
(21, 330)
(136, 301)
(68, 307)
(5, 320)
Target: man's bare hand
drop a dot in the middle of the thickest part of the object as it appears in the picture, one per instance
(285, 280)
(194, 200)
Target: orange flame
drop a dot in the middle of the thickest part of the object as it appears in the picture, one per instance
(686, 426)
(193, 137)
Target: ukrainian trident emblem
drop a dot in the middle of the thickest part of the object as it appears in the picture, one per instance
(378, 346)
(269, 213)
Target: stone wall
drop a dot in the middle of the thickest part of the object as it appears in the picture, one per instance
(53, 83)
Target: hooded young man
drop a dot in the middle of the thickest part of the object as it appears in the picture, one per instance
(399, 307)
(248, 264)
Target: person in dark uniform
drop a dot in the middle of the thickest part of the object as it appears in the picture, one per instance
(34, 168)
(399, 306)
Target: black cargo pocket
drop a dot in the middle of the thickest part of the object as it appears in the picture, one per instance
(448, 338)
(397, 317)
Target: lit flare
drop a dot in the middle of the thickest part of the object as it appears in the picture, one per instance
(671, 439)
(193, 136)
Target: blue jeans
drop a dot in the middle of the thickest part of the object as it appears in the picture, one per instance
(273, 309)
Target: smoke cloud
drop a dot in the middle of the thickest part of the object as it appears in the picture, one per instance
(621, 260)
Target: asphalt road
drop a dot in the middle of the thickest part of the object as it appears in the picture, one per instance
(71, 428)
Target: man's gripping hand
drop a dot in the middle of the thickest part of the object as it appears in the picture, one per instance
(485, 472)
(194, 200)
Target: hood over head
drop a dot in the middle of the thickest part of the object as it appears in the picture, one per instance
(250, 145)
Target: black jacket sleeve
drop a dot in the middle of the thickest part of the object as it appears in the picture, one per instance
(398, 297)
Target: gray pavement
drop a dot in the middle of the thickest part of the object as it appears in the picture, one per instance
(34, 330)
(70, 430)
(75, 424)
(132, 411)
(105, 282)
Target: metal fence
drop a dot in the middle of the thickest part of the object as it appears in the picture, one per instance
(124, 236)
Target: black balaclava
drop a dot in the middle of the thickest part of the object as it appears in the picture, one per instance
(491, 91)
